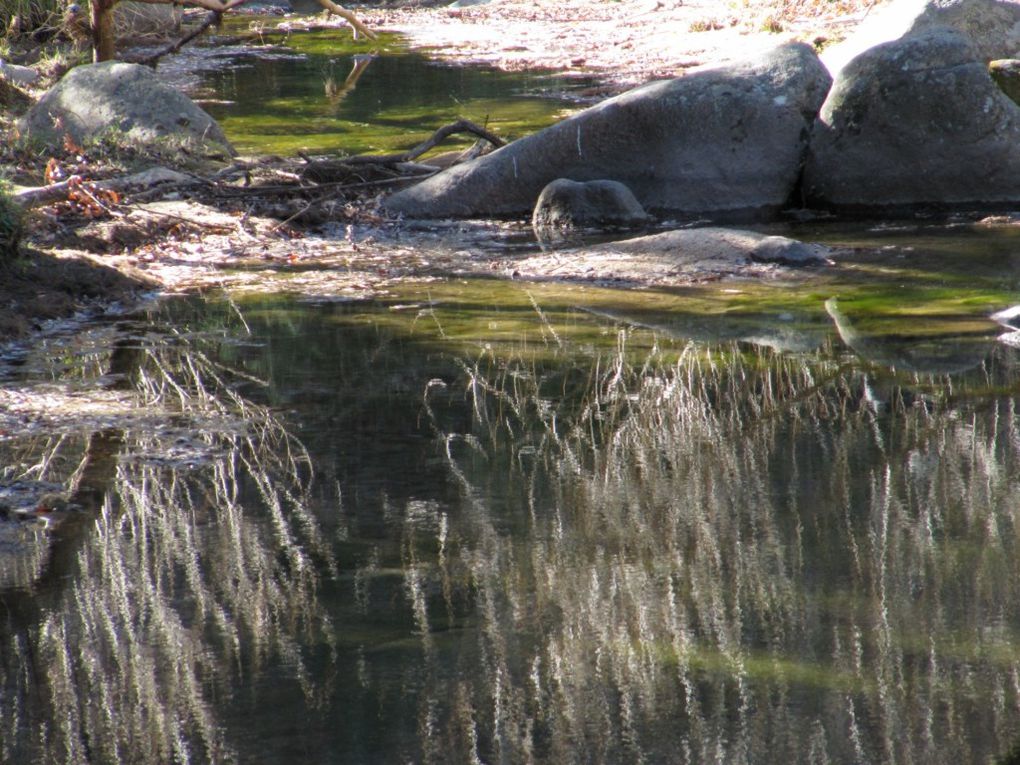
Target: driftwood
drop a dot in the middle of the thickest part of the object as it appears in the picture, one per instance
(308, 191)
(460, 126)
(57, 192)
(368, 168)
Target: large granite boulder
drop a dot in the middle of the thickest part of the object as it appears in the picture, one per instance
(124, 102)
(992, 26)
(724, 140)
(915, 122)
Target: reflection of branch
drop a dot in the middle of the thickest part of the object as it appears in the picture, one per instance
(335, 94)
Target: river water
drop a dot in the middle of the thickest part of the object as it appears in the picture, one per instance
(484, 521)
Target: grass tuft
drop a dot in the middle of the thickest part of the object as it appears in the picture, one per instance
(21, 18)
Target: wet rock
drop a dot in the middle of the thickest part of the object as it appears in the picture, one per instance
(724, 140)
(788, 252)
(125, 102)
(915, 122)
(590, 204)
(1006, 74)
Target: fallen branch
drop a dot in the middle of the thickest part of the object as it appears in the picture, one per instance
(214, 17)
(349, 17)
(460, 126)
(57, 192)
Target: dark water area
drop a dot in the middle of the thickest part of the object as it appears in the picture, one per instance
(487, 523)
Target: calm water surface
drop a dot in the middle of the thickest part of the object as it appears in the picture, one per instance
(323, 92)
(491, 522)
(498, 523)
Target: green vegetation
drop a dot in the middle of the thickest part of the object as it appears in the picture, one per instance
(22, 17)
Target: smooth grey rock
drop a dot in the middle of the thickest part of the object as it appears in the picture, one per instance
(719, 244)
(18, 75)
(589, 204)
(724, 140)
(789, 252)
(125, 100)
(915, 122)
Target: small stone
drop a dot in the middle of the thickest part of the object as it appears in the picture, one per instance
(1006, 73)
(591, 204)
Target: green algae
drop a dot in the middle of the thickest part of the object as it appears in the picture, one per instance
(317, 99)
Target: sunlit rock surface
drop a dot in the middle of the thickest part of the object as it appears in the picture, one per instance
(119, 101)
(724, 140)
(676, 257)
(992, 26)
(915, 122)
(1006, 73)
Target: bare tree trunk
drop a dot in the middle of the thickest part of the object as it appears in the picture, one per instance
(104, 35)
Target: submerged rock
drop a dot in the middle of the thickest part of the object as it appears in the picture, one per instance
(724, 140)
(124, 102)
(921, 354)
(590, 204)
(676, 257)
(915, 122)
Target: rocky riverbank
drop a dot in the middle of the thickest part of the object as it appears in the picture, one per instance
(185, 244)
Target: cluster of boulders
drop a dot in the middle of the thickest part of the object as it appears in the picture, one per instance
(923, 120)
(917, 121)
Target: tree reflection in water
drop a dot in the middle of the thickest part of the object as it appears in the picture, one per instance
(163, 590)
